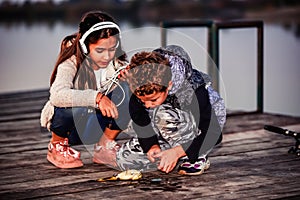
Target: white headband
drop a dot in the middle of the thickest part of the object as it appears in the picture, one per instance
(96, 27)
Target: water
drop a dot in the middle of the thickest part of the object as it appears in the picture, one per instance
(28, 54)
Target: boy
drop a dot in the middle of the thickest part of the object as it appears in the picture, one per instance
(171, 114)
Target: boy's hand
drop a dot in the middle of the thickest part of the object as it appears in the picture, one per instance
(155, 149)
(123, 74)
(169, 158)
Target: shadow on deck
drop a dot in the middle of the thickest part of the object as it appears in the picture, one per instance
(251, 163)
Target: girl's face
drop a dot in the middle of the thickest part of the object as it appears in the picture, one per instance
(155, 99)
(103, 51)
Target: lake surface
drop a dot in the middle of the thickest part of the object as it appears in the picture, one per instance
(28, 54)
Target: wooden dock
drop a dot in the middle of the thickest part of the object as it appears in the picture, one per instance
(251, 163)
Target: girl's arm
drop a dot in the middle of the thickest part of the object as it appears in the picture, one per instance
(62, 93)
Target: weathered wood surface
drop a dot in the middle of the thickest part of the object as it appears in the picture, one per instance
(251, 163)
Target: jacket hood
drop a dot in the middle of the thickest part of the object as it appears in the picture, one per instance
(182, 69)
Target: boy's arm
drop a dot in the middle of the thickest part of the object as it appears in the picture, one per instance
(208, 124)
(142, 124)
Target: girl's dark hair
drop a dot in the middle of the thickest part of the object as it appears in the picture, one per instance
(70, 46)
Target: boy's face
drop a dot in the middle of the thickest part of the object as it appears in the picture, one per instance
(155, 99)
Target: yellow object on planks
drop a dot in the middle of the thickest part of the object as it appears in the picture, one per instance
(127, 175)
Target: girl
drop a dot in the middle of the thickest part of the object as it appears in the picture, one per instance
(86, 99)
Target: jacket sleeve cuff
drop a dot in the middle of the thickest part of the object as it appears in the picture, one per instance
(147, 143)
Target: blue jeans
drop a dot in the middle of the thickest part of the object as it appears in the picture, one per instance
(85, 125)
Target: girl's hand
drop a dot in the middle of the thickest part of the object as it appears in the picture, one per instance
(106, 106)
(169, 158)
(155, 149)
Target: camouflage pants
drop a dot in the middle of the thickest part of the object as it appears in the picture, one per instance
(172, 126)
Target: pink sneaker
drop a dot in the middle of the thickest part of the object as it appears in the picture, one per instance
(106, 155)
(63, 156)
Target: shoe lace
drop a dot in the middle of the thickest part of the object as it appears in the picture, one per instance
(63, 148)
(109, 145)
(199, 163)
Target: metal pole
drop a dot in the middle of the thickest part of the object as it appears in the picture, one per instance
(260, 71)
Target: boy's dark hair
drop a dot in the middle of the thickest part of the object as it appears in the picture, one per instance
(149, 72)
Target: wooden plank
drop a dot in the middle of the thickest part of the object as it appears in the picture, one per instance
(26, 107)
(218, 167)
(24, 96)
(21, 125)
(19, 117)
(246, 122)
(29, 101)
(235, 185)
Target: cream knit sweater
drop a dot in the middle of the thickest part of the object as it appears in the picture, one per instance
(62, 93)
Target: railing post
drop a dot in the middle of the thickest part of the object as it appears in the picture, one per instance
(260, 68)
(214, 68)
(163, 34)
(248, 24)
(213, 48)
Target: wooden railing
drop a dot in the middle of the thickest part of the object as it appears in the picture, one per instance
(213, 47)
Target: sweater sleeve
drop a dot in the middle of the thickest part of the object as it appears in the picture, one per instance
(142, 124)
(208, 124)
(62, 93)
